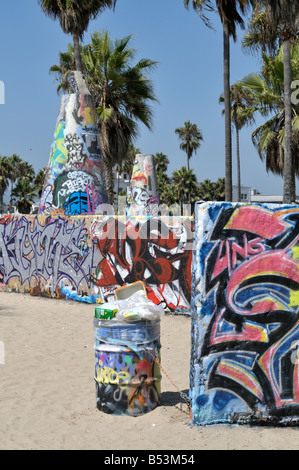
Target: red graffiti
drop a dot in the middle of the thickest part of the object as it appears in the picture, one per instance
(264, 223)
(133, 253)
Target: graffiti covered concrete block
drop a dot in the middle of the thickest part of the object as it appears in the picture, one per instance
(245, 323)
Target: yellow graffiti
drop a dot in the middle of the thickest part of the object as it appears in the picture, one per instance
(294, 298)
(295, 251)
(59, 153)
(107, 375)
(294, 294)
(90, 116)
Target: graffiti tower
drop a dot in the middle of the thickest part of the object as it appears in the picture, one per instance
(143, 196)
(74, 183)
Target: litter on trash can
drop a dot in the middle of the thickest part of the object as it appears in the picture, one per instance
(138, 307)
(106, 311)
(125, 292)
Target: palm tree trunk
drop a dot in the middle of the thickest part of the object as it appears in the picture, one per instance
(188, 168)
(227, 104)
(1, 202)
(107, 162)
(108, 175)
(293, 191)
(118, 170)
(11, 190)
(288, 167)
(188, 157)
(238, 163)
(77, 52)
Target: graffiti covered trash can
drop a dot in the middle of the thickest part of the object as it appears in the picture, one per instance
(128, 379)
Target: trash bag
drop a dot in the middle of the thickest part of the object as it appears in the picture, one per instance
(137, 308)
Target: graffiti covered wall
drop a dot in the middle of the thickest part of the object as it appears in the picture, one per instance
(245, 323)
(86, 258)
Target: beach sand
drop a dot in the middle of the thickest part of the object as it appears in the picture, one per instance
(47, 395)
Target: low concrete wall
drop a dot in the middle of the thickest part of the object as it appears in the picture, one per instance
(86, 258)
(245, 323)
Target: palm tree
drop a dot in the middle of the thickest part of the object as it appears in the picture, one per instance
(219, 189)
(4, 179)
(128, 162)
(14, 164)
(161, 162)
(168, 195)
(74, 17)
(268, 91)
(230, 18)
(63, 70)
(25, 194)
(281, 17)
(207, 190)
(122, 93)
(242, 113)
(185, 186)
(165, 193)
(285, 15)
(39, 181)
(26, 172)
(191, 138)
(260, 35)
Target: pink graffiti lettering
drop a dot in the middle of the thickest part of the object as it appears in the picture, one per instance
(262, 222)
(229, 250)
(275, 263)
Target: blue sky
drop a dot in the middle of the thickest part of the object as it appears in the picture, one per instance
(188, 81)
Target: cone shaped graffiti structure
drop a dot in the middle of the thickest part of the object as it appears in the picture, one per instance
(74, 182)
(142, 195)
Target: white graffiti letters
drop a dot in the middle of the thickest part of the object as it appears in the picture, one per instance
(55, 252)
(77, 181)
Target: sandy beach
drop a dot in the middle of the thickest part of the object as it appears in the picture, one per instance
(47, 397)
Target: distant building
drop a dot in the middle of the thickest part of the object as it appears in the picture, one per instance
(253, 195)
(121, 181)
(245, 193)
(270, 199)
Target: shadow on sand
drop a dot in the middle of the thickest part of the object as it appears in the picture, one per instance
(173, 398)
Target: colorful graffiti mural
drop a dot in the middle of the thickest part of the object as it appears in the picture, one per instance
(245, 323)
(128, 379)
(74, 182)
(87, 258)
(41, 256)
(142, 195)
(147, 251)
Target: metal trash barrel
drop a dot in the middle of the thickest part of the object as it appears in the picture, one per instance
(128, 379)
